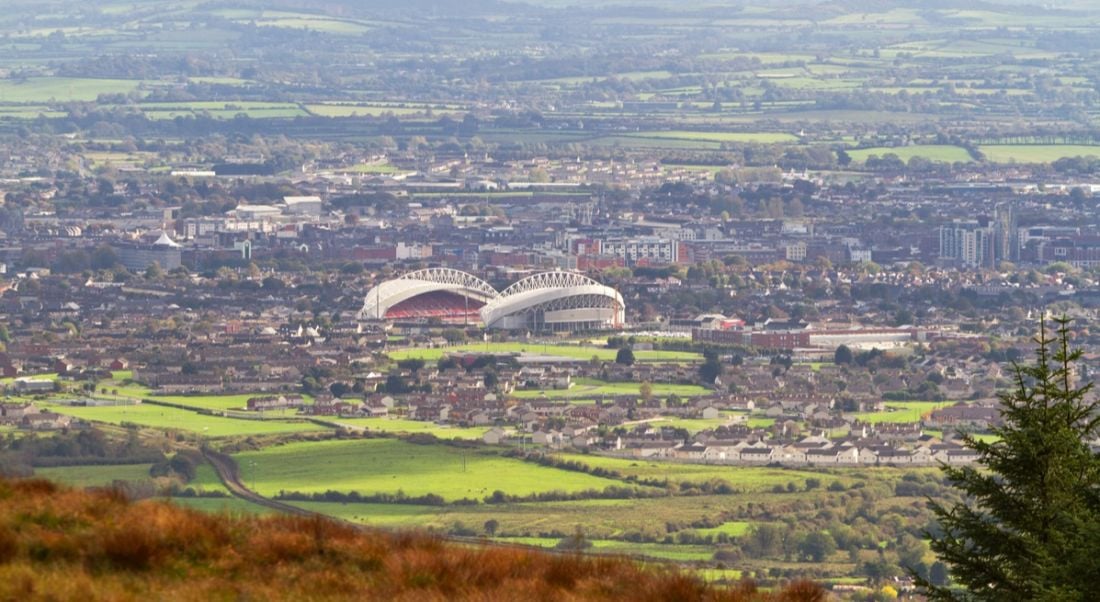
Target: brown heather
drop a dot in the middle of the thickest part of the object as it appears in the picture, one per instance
(62, 544)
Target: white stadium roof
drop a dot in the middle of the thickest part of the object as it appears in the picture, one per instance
(554, 300)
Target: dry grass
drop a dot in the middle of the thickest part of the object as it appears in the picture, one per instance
(59, 544)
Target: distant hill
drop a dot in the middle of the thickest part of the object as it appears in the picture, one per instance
(65, 544)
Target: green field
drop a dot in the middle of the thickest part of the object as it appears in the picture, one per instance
(734, 529)
(62, 89)
(389, 466)
(932, 152)
(161, 417)
(95, 476)
(743, 137)
(902, 412)
(374, 168)
(570, 351)
(206, 479)
(745, 478)
(400, 425)
(1036, 153)
(216, 402)
(695, 425)
(230, 505)
(391, 516)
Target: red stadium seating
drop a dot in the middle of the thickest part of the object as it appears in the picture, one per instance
(447, 306)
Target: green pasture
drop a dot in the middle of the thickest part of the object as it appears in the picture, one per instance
(29, 112)
(374, 168)
(744, 137)
(630, 141)
(221, 505)
(347, 110)
(388, 466)
(392, 516)
(902, 412)
(933, 152)
(62, 89)
(732, 529)
(600, 519)
(206, 479)
(95, 476)
(1036, 153)
(322, 25)
(559, 350)
(745, 478)
(160, 417)
(215, 402)
(695, 425)
(411, 427)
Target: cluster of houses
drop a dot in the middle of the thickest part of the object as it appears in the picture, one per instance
(377, 406)
(741, 445)
(28, 416)
(729, 446)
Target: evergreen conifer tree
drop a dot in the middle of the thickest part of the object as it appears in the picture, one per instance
(1029, 525)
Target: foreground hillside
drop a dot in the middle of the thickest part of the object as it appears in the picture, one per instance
(58, 543)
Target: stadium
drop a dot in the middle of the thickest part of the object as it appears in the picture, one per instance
(550, 301)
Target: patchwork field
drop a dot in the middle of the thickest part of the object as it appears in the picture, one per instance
(95, 476)
(176, 419)
(743, 478)
(932, 152)
(410, 427)
(389, 466)
(62, 89)
(759, 137)
(1036, 153)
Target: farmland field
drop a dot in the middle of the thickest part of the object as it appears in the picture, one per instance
(95, 476)
(601, 519)
(388, 466)
(171, 418)
(62, 89)
(745, 478)
(902, 412)
(1036, 153)
(760, 137)
(932, 152)
(229, 505)
(398, 425)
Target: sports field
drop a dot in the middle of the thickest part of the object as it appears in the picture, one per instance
(902, 412)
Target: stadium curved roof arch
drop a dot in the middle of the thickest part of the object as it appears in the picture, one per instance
(556, 301)
(382, 300)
